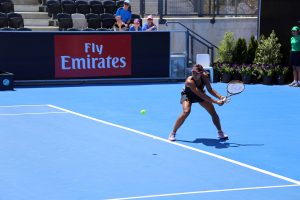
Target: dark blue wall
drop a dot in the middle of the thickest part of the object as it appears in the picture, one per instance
(30, 55)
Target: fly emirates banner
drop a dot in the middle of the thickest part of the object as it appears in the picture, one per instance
(79, 56)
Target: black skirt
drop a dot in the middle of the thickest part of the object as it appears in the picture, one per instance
(191, 97)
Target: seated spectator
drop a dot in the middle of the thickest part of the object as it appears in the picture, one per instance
(124, 12)
(149, 25)
(136, 26)
(119, 25)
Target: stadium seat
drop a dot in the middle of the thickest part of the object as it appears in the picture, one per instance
(53, 7)
(79, 21)
(93, 20)
(6, 6)
(68, 6)
(3, 20)
(109, 7)
(15, 20)
(108, 20)
(204, 60)
(64, 21)
(96, 7)
(82, 6)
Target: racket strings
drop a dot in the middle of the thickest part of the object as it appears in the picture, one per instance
(235, 88)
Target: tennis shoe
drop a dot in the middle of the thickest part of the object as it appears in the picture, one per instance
(223, 136)
(294, 84)
(172, 137)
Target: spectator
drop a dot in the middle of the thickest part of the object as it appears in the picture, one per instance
(119, 25)
(295, 56)
(149, 25)
(124, 12)
(136, 26)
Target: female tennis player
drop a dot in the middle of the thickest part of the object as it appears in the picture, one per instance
(193, 92)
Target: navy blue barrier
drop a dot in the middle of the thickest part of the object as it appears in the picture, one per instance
(70, 55)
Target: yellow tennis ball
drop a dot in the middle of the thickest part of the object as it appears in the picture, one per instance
(143, 112)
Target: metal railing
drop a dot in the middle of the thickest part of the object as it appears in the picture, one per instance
(194, 38)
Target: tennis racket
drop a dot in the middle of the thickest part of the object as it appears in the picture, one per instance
(234, 87)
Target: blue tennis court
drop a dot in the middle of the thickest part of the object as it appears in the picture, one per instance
(92, 143)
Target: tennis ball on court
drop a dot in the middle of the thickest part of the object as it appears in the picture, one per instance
(143, 111)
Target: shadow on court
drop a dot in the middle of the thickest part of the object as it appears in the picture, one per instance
(218, 144)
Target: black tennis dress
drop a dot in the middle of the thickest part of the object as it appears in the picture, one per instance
(188, 95)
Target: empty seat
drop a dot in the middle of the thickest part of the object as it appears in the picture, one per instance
(68, 6)
(79, 21)
(109, 6)
(64, 21)
(82, 6)
(15, 20)
(53, 8)
(6, 6)
(96, 7)
(93, 20)
(3, 20)
(108, 20)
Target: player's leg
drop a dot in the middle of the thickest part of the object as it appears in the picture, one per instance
(295, 76)
(298, 75)
(209, 107)
(186, 110)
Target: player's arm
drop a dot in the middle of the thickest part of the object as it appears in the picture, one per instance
(210, 89)
(201, 94)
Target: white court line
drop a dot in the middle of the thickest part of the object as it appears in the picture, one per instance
(204, 191)
(182, 145)
(13, 106)
(40, 113)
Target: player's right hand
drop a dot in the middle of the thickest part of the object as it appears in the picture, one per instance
(220, 102)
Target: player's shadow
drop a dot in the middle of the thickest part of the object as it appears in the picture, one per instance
(218, 144)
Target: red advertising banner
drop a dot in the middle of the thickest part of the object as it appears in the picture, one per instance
(79, 56)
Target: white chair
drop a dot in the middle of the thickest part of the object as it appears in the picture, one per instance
(204, 60)
(79, 21)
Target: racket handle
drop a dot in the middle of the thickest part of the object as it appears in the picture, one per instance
(226, 99)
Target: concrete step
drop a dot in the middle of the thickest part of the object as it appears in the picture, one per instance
(26, 2)
(34, 15)
(26, 8)
(36, 22)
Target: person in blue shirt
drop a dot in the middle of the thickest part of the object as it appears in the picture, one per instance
(149, 25)
(124, 12)
(136, 26)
